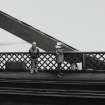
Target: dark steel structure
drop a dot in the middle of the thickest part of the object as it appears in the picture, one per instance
(30, 34)
(89, 82)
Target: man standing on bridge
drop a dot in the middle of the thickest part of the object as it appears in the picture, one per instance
(34, 53)
(59, 57)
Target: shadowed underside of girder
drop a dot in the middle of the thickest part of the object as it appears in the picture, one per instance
(29, 34)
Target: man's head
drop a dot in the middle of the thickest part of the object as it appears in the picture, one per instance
(58, 45)
(34, 44)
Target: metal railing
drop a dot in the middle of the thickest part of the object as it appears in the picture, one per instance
(85, 61)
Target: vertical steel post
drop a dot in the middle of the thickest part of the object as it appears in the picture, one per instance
(84, 62)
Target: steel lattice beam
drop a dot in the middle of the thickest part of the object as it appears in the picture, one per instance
(29, 34)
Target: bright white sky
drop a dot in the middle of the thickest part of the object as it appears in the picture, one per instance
(79, 23)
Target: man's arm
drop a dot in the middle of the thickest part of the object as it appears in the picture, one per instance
(30, 51)
(38, 52)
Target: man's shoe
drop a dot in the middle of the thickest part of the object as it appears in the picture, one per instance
(59, 76)
(31, 71)
(36, 70)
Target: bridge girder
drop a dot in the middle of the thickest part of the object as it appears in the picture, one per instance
(30, 34)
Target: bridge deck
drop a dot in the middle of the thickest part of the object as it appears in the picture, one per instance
(80, 76)
(84, 85)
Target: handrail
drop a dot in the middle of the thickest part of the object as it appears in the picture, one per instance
(71, 52)
(47, 60)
